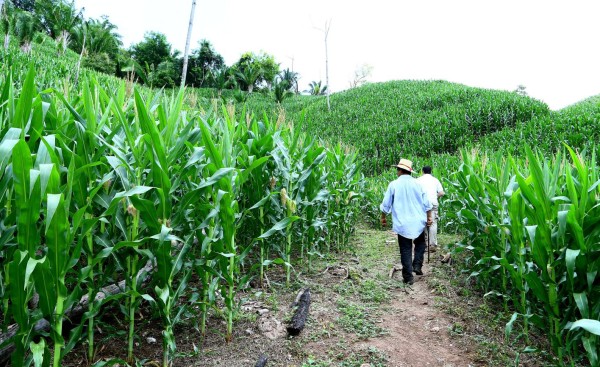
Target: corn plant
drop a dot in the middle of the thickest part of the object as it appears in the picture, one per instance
(540, 235)
(102, 184)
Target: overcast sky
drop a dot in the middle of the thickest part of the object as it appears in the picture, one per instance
(550, 47)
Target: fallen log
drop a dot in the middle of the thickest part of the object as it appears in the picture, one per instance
(262, 361)
(299, 319)
(76, 311)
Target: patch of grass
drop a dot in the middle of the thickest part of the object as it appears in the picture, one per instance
(323, 331)
(272, 301)
(373, 356)
(374, 292)
(345, 288)
(313, 362)
(356, 319)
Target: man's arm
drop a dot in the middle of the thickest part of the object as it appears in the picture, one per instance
(386, 205)
(440, 189)
(429, 218)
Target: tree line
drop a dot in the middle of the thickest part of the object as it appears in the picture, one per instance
(152, 61)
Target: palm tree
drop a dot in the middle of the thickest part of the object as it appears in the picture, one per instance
(96, 37)
(58, 18)
(315, 88)
(292, 79)
(281, 89)
(187, 44)
(221, 79)
(247, 77)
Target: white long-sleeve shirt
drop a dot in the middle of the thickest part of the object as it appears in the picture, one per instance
(408, 203)
(432, 187)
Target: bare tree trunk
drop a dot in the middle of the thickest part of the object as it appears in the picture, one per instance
(326, 31)
(187, 44)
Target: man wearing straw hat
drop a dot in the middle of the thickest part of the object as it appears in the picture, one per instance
(411, 212)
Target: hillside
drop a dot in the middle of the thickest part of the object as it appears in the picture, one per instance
(416, 118)
(577, 125)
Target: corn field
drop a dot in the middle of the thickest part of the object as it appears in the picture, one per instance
(117, 186)
(532, 239)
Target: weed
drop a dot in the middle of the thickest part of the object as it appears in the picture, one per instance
(357, 319)
(373, 356)
(372, 291)
(312, 362)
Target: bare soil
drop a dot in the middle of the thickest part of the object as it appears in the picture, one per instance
(359, 317)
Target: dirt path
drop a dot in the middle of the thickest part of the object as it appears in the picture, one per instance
(418, 331)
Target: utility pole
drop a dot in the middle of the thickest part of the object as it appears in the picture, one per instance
(187, 44)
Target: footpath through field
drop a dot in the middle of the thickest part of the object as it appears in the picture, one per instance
(376, 320)
(419, 333)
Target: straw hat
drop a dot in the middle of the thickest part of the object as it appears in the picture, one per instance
(404, 164)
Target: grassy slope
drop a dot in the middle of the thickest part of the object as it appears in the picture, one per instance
(417, 119)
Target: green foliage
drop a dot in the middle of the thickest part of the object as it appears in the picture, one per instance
(316, 89)
(118, 179)
(255, 71)
(166, 75)
(99, 37)
(576, 126)
(57, 16)
(24, 30)
(531, 237)
(27, 5)
(152, 51)
(100, 62)
(205, 66)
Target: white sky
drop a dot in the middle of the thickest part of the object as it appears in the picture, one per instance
(551, 47)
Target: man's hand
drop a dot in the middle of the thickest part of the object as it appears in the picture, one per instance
(429, 221)
(383, 220)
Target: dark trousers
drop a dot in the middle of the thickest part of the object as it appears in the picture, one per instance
(406, 255)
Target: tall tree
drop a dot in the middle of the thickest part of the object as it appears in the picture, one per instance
(187, 44)
(291, 78)
(100, 37)
(153, 50)
(205, 64)
(261, 65)
(316, 89)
